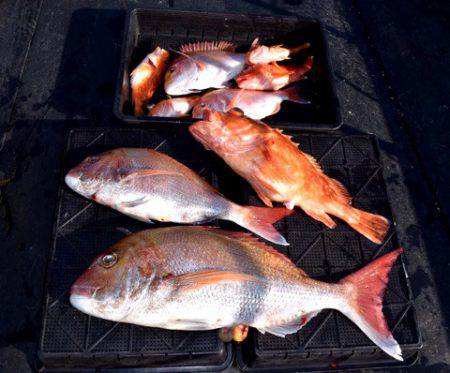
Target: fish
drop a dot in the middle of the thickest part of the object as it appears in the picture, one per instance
(262, 54)
(204, 278)
(146, 77)
(279, 171)
(149, 185)
(177, 107)
(272, 76)
(203, 65)
(254, 104)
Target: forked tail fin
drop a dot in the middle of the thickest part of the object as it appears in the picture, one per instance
(293, 94)
(259, 220)
(364, 293)
(299, 48)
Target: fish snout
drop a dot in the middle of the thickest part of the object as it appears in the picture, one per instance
(72, 179)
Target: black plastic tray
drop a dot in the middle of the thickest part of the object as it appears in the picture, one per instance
(83, 229)
(331, 341)
(146, 29)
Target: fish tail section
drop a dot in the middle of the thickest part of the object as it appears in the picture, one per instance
(373, 227)
(260, 220)
(364, 291)
(299, 72)
(299, 48)
(138, 111)
(293, 94)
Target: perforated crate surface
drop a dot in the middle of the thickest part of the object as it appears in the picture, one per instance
(84, 229)
(146, 29)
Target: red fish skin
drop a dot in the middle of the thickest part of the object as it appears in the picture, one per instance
(279, 171)
(146, 77)
(272, 76)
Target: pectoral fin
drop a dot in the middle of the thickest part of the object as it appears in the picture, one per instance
(149, 172)
(196, 280)
(262, 195)
(134, 203)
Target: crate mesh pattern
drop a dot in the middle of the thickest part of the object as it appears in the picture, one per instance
(84, 229)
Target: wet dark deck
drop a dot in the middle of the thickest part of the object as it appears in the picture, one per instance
(58, 66)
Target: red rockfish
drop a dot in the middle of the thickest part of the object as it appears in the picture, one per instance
(146, 77)
(279, 171)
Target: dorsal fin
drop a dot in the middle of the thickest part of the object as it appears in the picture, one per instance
(340, 190)
(287, 136)
(206, 46)
(314, 162)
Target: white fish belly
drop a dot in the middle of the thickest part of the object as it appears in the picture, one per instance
(262, 108)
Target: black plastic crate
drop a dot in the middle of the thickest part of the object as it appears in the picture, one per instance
(147, 29)
(330, 340)
(83, 229)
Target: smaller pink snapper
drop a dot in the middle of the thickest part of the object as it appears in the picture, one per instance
(254, 104)
(201, 66)
(148, 185)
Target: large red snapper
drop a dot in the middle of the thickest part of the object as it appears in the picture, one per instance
(148, 185)
(199, 278)
(279, 171)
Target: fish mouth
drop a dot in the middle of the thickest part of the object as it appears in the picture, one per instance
(72, 180)
(83, 290)
(81, 303)
(198, 131)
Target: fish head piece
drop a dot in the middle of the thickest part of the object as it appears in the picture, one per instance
(153, 61)
(180, 76)
(261, 54)
(115, 282)
(158, 57)
(228, 132)
(94, 172)
(210, 102)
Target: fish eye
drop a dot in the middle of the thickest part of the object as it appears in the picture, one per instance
(203, 104)
(172, 69)
(109, 260)
(93, 159)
